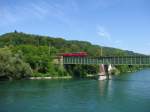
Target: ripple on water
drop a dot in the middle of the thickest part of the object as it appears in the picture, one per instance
(125, 93)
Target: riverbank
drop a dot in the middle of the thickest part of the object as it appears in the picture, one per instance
(70, 77)
(38, 78)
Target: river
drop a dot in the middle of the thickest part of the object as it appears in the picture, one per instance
(126, 93)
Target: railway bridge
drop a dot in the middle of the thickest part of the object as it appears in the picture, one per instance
(105, 62)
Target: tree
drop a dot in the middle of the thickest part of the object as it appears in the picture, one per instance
(12, 66)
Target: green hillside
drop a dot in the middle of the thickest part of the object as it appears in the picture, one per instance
(60, 44)
(38, 52)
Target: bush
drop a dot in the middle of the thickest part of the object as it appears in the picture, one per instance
(12, 66)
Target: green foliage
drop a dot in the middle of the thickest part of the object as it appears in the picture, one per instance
(38, 57)
(39, 52)
(12, 66)
(81, 70)
(37, 74)
(59, 44)
(123, 68)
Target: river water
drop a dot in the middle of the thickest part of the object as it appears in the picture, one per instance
(126, 93)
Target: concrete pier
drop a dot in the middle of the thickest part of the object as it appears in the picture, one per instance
(110, 68)
(102, 72)
(105, 72)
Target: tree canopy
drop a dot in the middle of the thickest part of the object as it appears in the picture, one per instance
(26, 53)
(12, 65)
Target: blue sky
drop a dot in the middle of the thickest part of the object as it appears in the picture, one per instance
(122, 24)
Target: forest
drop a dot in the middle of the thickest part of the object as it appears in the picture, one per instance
(26, 55)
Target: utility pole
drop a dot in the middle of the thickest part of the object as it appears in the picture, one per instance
(49, 49)
(101, 51)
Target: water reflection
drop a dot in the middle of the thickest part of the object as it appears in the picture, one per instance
(105, 87)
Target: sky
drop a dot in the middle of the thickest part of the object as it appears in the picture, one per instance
(121, 24)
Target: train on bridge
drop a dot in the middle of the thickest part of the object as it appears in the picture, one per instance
(75, 54)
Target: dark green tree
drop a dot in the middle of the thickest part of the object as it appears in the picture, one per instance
(12, 66)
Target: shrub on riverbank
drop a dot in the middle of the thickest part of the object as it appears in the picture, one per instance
(12, 66)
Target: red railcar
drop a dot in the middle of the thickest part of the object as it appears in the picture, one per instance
(77, 54)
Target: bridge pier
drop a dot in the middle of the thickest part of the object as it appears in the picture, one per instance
(110, 71)
(104, 72)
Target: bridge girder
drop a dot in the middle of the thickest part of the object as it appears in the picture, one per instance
(114, 60)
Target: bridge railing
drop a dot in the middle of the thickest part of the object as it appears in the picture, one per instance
(116, 60)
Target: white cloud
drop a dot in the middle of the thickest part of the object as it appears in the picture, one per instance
(37, 10)
(103, 33)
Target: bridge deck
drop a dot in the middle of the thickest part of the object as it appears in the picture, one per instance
(117, 60)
